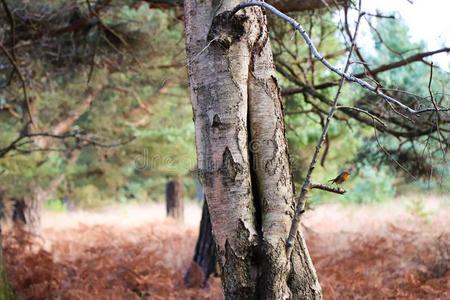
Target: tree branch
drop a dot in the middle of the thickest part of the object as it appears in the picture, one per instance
(364, 112)
(22, 80)
(315, 53)
(12, 24)
(383, 68)
(301, 200)
(283, 5)
(437, 113)
(327, 188)
(81, 139)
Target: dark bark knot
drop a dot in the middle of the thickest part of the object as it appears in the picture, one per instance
(216, 123)
(226, 29)
(230, 168)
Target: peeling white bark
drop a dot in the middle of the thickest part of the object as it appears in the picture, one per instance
(242, 153)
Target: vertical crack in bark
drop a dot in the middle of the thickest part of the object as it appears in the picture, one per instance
(274, 182)
(236, 105)
(252, 146)
(218, 59)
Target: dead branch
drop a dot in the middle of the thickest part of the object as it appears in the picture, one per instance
(327, 188)
(383, 68)
(407, 130)
(301, 200)
(437, 114)
(82, 140)
(22, 80)
(315, 53)
(364, 112)
(12, 25)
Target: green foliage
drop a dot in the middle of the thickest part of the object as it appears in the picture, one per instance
(133, 97)
(55, 205)
(6, 291)
(440, 183)
(89, 196)
(366, 185)
(142, 91)
(417, 208)
(371, 185)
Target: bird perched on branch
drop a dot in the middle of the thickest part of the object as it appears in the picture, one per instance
(342, 177)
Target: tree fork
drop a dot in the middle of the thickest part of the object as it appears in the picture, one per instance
(236, 102)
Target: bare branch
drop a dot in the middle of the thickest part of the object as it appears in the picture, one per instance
(301, 200)
(410, 132)
(364, 112)
(12, 24)
(378, 15)
(407, 60)
(81, 139)
(436, 108)
(347, 76)
(103, 25)
(327, 188)
(380, 69)
(390, 156)
(22, 80)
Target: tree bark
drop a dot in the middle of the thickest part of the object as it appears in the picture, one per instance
(205, 258)
(283, 5)
(29, 209)
(242, 153)
(174, 199)
(6, 291)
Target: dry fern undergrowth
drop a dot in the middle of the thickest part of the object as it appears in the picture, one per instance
(398, 266)
(148, 261)
(104, 262)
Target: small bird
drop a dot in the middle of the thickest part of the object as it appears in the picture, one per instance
(342, 177)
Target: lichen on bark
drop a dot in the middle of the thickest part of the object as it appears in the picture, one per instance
(236, 102)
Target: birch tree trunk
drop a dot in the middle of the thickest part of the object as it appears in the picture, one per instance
(31, 206)
(242, 153)
(6, 292)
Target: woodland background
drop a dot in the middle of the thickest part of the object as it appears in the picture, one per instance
(109, 79)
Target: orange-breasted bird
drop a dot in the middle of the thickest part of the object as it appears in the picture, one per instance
(342, 177)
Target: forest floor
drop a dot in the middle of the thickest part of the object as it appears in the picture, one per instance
(393, 250)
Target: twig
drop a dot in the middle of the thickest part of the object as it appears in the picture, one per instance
(364, 112)
(380, 69)
(343, 74)
(327, 188)
(21, 140)
(301, 200)
(22, 80)
(92, 67)
(200, 52)
(13, 35)
(103, 25)
(390, 156)
(437, 110)
(377, 15)
(326, 141)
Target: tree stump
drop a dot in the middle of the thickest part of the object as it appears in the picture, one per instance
(174, 199)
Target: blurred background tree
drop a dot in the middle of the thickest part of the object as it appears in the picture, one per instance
(129, 56)
(137, 89)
